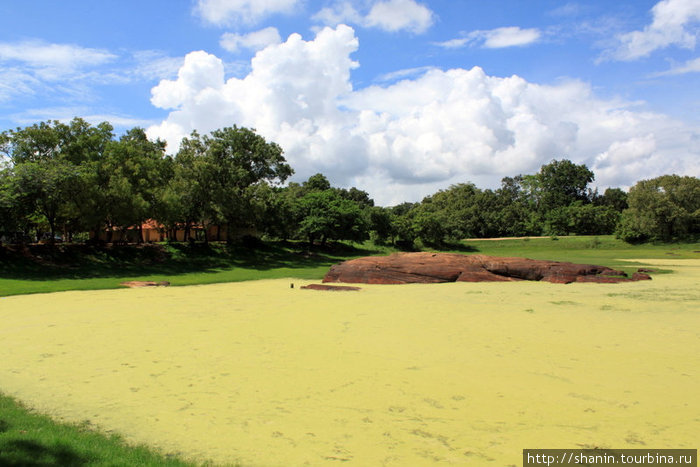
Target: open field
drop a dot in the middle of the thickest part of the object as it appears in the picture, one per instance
(463, 374)
(82, 267)
(78, 267)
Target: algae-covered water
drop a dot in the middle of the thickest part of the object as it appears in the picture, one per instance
(411, 375)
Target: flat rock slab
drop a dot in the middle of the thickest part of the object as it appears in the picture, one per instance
(335, 288)
(134, 284)
(430, 268)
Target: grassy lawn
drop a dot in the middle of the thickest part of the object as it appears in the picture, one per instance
(78, 267)
(601, 250)
(88, 268)
(28, 439)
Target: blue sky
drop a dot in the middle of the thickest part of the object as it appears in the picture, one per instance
(398, 97)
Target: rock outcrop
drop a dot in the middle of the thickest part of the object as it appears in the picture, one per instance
(430, 268)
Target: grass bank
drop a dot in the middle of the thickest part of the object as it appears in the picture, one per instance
(42, 269)
(28, 439)
(601, 250)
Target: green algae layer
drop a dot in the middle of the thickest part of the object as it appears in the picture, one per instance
(264, 374)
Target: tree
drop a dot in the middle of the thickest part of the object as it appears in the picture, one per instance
(665, 208)
(138, 174)
(316, 182)
(234, 160)
(381, 224)
(44, 187)
(558, 184)
(515, 213)
(9, 214)
(53, 166)
(614, 198)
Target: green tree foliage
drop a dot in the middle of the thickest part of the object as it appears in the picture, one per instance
(9, 216)
(381, 224)
(54, 168)
(324, 213)
(73, 177)
(561, 183)
(665, 208)
(614, 198)
(138, 174)
(227, 166)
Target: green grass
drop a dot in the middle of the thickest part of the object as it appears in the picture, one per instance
(600, 250)
(78, 267)
(81, 267)
(28, 439)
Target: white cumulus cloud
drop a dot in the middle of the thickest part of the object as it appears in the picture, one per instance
(405, 140)
(256, 40)
(225, 12)
(387, 15)
(675, 22)
(396, 15)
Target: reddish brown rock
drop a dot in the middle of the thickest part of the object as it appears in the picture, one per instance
(404, 268)
(336, 288)
(640, 276)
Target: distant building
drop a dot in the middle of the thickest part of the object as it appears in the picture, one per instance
(153, 231)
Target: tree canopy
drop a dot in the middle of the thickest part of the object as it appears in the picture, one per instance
(72, 178)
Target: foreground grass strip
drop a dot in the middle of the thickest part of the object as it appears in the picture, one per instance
(28, 439)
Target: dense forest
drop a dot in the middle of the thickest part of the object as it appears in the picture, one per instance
(72, 181)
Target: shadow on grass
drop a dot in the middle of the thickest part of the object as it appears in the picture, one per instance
(45, 263)
(28, 453)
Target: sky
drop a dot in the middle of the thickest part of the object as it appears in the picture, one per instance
(400, 98)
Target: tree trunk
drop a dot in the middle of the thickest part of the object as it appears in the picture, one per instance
(186, 236)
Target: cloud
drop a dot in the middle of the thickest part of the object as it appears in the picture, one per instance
(567, 10)
(68, 113)
(403, 74)
(33, 67)
(397, 15)
(254, 41)
(227, 12)
(404, 140)
(675, 22)
(52, 61)
(14, 81)
(495, 38)
(340, 12)
(691, 66)
(154, 65)
(387, 15)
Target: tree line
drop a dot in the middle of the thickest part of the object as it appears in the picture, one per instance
(74, 180)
